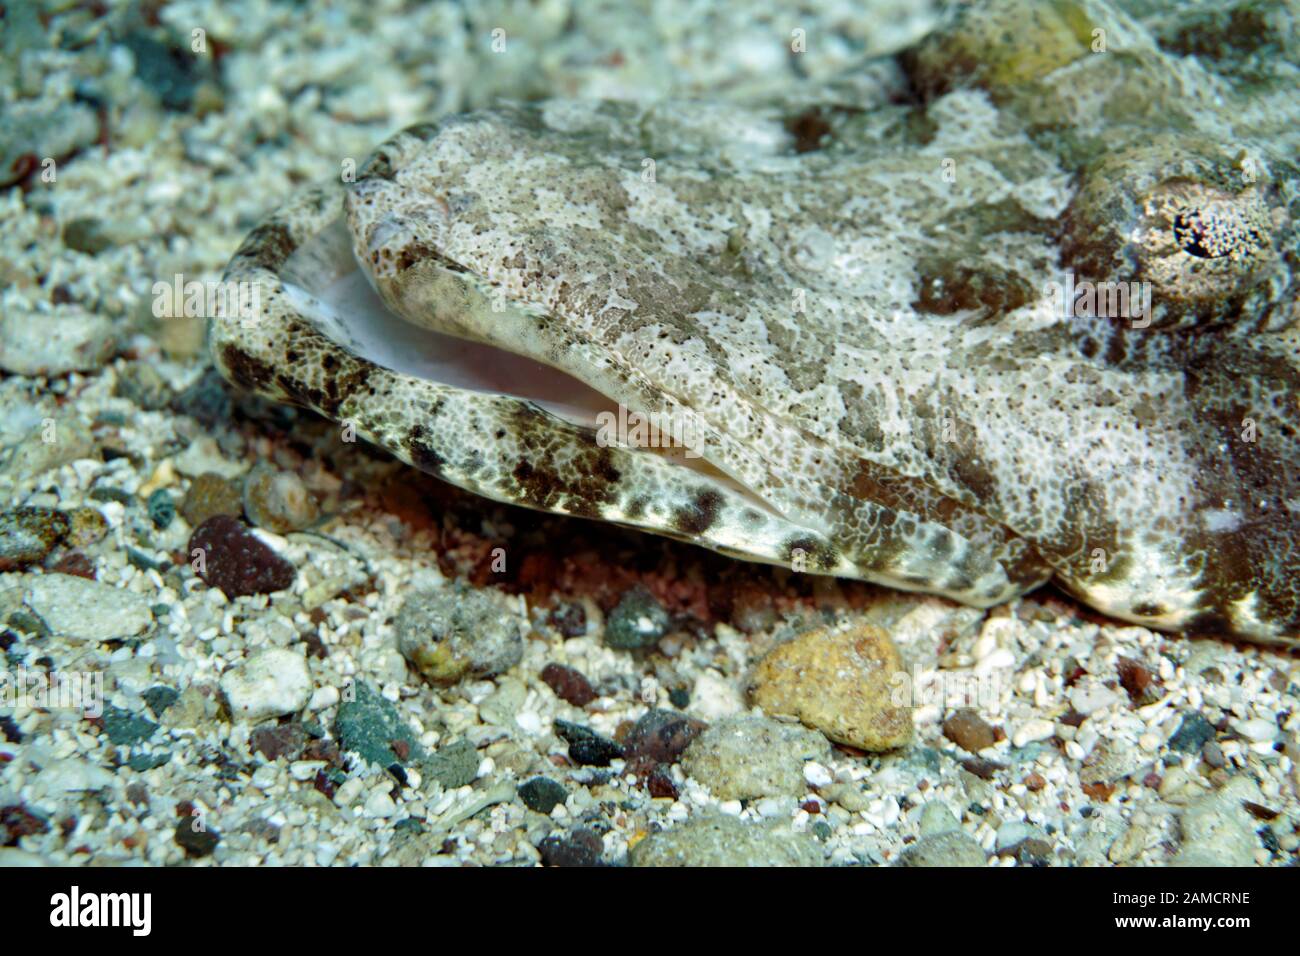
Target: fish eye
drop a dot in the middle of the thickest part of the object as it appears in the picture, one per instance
(1203, 239)
(1216, 231)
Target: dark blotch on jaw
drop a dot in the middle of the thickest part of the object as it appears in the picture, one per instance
(418, 252)
(539, 486)
(700, 515)
(1210, 624)
(249, 373)
(1149, 609)
(269, 245)
(585, 483)
(421, 452)
(814, 553)
(809, 129)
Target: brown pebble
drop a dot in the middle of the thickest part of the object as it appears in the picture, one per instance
(580, 847)
(86, 525)
(210, 494)
(569, 684)
(1035, 782)
(323, 784)
(984, 769)
(1099, 791)
(660, 736)
(1072, 718)
(841, 681)
(75, 563)
(660, 784)
(17, 821)
(283, 740)
(969, 731)
(1259, 811)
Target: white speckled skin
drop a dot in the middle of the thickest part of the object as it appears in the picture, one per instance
(852, 310)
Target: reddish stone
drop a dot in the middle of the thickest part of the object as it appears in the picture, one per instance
(660, 783)
(77, 564)
(570, 619)
(569, 684)
(237, 561)
(1138, 681)
(580, 847)
(1099, 791)
(17, 821)
(284, 740)
(660, 736)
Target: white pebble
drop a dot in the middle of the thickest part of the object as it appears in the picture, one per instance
(1031, 730)
(1256, 729)
(380, 804)
(272, 683)
(304, 770)
(323, 697)
(816, 774)
(326, 854)
(264, 777)
(999, 659)
(348, 791)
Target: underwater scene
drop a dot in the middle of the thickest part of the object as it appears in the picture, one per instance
(860, 433)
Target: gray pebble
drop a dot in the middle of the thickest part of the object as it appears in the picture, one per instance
(33, 128)
(278, 500)
(61, 601)
(936, 818)
(638, 620)
(53, 344)
(714, 839)
(953, 848)
(450, 633)
(1217, 829)
(741, 758)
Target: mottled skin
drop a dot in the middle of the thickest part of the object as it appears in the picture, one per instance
(845, 293)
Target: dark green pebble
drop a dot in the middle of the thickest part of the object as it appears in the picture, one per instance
(142, 762)
(639, 620)
(1192, 734)
(162, 508)
(159, 698)
(125, 728)
(542, 794)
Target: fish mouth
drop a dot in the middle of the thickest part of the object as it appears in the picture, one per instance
(323, 283)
